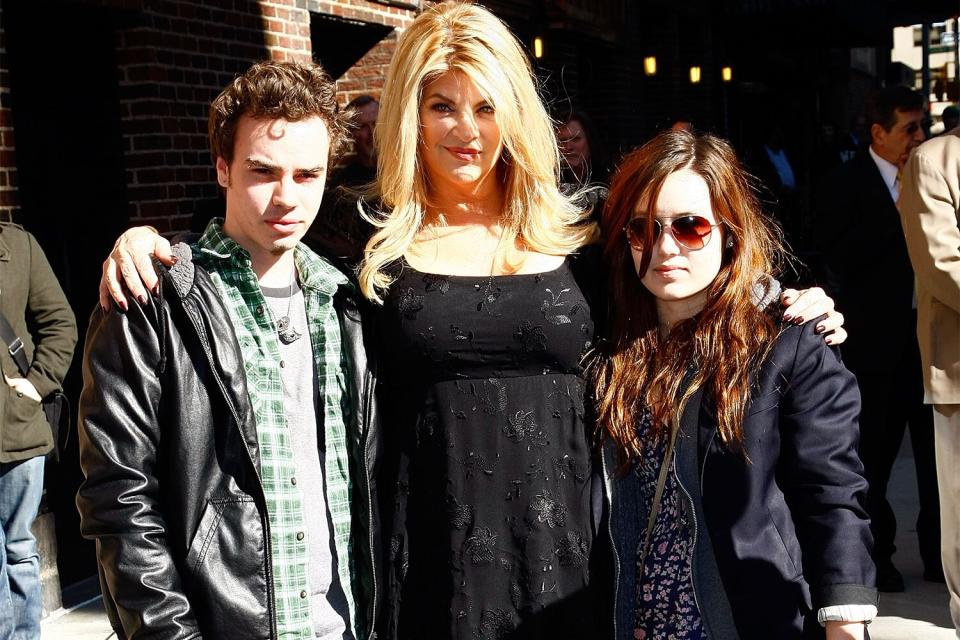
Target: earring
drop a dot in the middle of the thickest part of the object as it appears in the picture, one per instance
(729, 243)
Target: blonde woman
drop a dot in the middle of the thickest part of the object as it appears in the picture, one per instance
(486, 315)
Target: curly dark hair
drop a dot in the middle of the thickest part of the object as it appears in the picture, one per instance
(289, 90)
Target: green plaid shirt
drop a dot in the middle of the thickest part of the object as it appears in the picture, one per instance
(230, 267)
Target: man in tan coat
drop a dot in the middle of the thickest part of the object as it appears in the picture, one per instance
(930, 211)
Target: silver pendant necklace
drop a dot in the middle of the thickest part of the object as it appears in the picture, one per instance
(285, 330)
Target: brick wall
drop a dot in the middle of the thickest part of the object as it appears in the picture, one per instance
(366, 77)
(8, 170)
(173, 57)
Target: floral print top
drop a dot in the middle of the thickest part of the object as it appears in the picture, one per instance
(666, 606)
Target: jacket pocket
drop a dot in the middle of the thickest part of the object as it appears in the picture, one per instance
(225, 567)
(24, 423)
(789, 544)
(944, 339)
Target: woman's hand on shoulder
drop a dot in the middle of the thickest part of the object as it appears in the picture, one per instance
(808, 304)
(846, 631)
(129, 266)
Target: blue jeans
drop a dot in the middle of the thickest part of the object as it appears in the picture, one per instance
(21, 486)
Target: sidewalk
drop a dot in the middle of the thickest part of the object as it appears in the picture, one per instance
(920, 613)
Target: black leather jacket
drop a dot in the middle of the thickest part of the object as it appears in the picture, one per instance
(169, 449)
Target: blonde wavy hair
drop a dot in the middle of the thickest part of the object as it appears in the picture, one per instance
(456, 36)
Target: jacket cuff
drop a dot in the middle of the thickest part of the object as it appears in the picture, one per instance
(864, 613)
(42, 384)
(844, 594)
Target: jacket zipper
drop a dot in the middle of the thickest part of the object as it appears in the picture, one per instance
(368, 395)
(613, 545)
(693, 546)
(271, 611)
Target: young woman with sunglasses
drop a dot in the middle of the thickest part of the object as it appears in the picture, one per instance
(730, 437)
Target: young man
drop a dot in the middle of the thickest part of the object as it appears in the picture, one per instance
(226, 424)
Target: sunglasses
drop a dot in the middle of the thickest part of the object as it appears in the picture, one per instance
(692, 232)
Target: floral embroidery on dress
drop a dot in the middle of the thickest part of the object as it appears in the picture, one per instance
(474, 463)
(571, 550)
(552, 306)
(493, 397)
(566, 465)
(409, 304)
(548, 510)
(522, 426)
(461, 515)
(481, 545)
(564, 400)
(531, 337)
(436, 282)
(494, 625)
(460, 334)
(490, 294)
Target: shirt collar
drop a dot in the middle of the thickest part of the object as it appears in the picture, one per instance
(888, 170)
(315, 272)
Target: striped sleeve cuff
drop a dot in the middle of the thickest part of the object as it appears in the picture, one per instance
(847, 613)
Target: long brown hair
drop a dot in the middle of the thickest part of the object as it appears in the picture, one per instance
(720, 347)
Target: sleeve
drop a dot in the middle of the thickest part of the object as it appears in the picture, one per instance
(822, 476)
(928, 211)
(119, 500)
(51, 323)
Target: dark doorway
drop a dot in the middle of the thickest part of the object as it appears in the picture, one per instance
(69, 155)
(339, 43)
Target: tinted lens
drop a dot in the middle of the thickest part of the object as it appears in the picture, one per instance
(691, 231)
(637, 232)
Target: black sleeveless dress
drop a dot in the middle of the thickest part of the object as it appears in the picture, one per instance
(492, 528)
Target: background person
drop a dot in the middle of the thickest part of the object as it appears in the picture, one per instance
(865, 256)
(339, 230)
(584, 159)
(736, 510)
(34, 305)
(930, 213)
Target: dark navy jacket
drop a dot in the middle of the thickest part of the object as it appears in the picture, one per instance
(778, 535)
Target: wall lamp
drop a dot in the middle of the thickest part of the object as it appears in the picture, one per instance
(650, 65)
(538, 47)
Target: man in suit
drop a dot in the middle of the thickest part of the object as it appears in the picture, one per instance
(930, 213)
(866, 260)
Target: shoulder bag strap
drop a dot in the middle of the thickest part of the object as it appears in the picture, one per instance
(658, 494)
(14, 345)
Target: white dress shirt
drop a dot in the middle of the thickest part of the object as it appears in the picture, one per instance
(888, 171)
